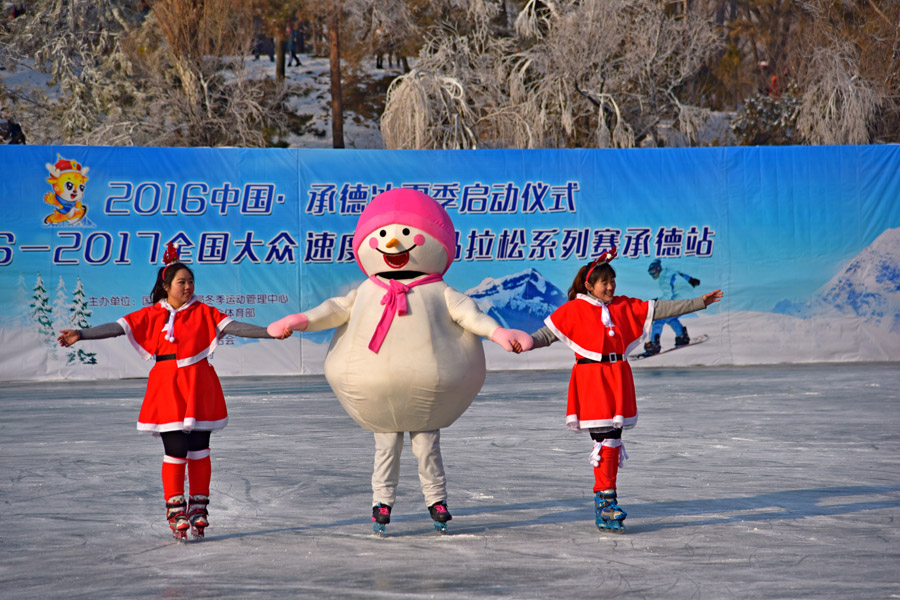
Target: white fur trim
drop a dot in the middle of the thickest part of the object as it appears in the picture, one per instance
(187, 426)
(617, 422)
(598, 356)
(134, 343)
(206, 352)
(648, 325)
(198, 454)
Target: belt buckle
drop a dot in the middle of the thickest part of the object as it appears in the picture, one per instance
(612, 358)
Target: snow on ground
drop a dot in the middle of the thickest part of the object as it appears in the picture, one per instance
(743, 482)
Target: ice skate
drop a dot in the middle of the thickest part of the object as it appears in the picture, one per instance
(440, 515)
(682, 340)
(198, 515)
(381, 515)
(609, 515)
(176, 513)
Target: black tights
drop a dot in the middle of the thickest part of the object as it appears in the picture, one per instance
(615, 434)
(177, 444)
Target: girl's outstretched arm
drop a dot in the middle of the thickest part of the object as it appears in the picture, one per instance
(67, 337)
(247, 330)
(541, 338)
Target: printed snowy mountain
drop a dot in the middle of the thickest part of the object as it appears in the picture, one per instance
(518, 301)
(868, 287)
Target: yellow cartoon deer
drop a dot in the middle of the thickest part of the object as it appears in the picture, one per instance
(67, 178)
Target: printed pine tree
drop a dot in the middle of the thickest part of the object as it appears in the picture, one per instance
(78, 317)
(61, 312)
(61, 306)
(42, 314)
(22, 300)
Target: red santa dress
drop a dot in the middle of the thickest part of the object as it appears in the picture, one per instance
(601, 394)
(183, 394)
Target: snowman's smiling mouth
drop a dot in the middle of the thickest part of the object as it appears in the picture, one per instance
(398, 260)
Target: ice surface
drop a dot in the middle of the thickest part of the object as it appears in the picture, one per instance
(743, 482)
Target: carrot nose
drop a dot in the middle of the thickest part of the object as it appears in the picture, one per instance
(392, 243)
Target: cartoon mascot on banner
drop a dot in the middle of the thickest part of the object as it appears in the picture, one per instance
(68, 179)
(407, 353)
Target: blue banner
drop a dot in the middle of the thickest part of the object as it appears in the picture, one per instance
(804, 241)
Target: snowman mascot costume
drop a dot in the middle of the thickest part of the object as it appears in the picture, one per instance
(406, 355)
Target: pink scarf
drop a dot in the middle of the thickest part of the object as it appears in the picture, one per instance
(394, 301)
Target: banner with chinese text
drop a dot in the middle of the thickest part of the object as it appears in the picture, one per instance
(804, 241)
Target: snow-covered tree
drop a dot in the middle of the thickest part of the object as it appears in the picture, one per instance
(22, 299)
(61, 305)
(42, 313)
(134, 72)
(78, 316)
(573, 74)
(768, 120)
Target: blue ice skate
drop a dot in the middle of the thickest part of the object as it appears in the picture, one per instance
(381, 515)
(440, 515)
(609, 515)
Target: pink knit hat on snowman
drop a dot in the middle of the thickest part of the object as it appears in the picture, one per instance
(404, 206)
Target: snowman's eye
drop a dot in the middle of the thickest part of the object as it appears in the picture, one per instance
(382, 233)
(405, 231)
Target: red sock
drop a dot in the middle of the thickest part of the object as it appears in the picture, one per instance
(173, 476)
(605, 473)
(199, 472)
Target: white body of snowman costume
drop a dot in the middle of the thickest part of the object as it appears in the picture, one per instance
(406, 355)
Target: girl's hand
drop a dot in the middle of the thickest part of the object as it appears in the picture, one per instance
(285, 334)
(68, 337)
(712, 297)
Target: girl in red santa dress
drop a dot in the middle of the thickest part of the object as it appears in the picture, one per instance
(603, 329)
(184, 401)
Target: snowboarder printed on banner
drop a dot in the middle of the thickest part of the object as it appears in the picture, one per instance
(407, 354)
(673, 285)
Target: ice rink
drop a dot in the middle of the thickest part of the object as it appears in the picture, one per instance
(752, 482)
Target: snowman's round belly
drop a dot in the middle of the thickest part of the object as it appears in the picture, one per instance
(406, 387)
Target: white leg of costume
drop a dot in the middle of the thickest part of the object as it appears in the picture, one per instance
(426, 445)
(386, 473)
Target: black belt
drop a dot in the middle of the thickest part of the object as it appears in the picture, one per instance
(162, 357)
(610, 358)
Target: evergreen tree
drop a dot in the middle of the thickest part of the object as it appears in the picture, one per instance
(78, 316)
(61, 312)
(132, 72)
(23, 319)
(61, 306)
(42, 313)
